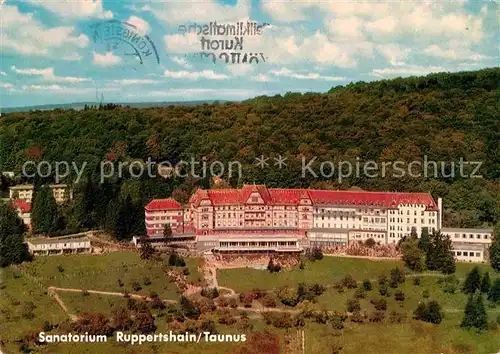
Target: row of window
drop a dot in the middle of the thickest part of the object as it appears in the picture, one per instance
(471, 236)
(466, 254)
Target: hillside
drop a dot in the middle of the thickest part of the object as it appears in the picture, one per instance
(442, 116)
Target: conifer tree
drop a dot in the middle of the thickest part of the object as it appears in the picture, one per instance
(45, 212)
(12, 247)
(485, 283)
(494, 251)
(423, 243)
(494, 293)
(481, 318)
(472, 281)
(469, 314)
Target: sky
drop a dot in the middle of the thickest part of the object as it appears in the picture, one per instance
(70, 51)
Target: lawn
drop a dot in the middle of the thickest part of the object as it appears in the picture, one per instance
(324, 271)
(105, 272)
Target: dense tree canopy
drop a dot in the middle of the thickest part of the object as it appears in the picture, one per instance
(444, 117)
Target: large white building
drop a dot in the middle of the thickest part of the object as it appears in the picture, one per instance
(470, 244)
(24, 192)
(232, 219)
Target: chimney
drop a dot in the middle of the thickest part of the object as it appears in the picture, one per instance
(440, 216)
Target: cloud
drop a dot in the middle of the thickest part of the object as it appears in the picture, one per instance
(262, 78)
(64, 90)
(181, 62)
(206, 93)
(75, 9)
(413, 70)
(142, 26)
(6, 85)
(393, 53)
(3, 73)
(241, 69)
(309, 76)
(108, 59)
(135, 82)
(182, 43)
(195, 75)
(48, 74)
(454, 51)
(21, 33)
(193, 11)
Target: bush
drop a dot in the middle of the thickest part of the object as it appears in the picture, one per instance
(370, 242)
(146, 281)
(120, 283)
(273, 267)
(85, 293)
(396, 317)
(367, 285)
(380, 304)
(227, 319)
(321, 317)
(222, 302)
(279, 319)
(377, 316)
(157, 303)
(205, 305)
(185, 271)
(316, 254)
(337, 320)
(210, 293)
(268, 301)
(246, 299)
(60, 268)
(360, 293)
(399, 296)
(288, 296)
(383, 289)
(429, 312)
(136, 286)
(349, 282)
(353, 305)
(27, 311)
(232, 303)
(425, 294)
(416, 281)
(397, 275)
(175, 260)
(357, 317)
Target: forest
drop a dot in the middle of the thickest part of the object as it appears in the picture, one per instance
(444, 117)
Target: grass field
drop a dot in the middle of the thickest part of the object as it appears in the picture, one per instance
(325, 271)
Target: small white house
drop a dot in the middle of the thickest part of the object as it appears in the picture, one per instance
(61, 245)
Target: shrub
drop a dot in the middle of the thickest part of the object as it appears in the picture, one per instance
(175, 260)
(153, 295)
(416, 281)
(136, 286)
(353, 305)
(120, 283)
(60, 268)
(288, 296)
(222, 302)
(397, 317)
(321, 317)
(397, 275)
(380, 304)
(399, 296)
(425, 294)
(279, 319)
(377, 316)
(349, 282)
(157, 303)
(357, 317)
(185, 271)
(360, 293)
(269, 301)
(85, 293)
(429, 312)
(337, 320)
(367, 285)
(208, 326)
(338, 286)
(273, 267)
(316, 254)
(246, 299)
(205, 305)
(232, 303)
(227, 319)
(210, 293)
(27, 311)
(146, 281)
(383, 289)
(370, 242)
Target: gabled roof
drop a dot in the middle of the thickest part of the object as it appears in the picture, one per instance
(21, 205)
(163, 204)
(279, 196)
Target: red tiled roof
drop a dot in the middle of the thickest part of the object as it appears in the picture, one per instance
(22, 205)
(163, 204)
(278, 196)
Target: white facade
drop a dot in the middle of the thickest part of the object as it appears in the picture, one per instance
(25, 192)
(47, 246)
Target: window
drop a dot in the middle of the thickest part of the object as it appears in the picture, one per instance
(478, 254)
(459, 253)
(485, 237)
(466, 254)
